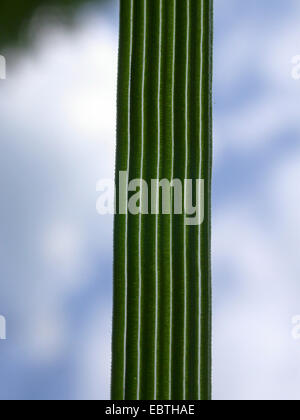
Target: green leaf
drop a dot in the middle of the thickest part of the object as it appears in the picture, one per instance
(162, 267)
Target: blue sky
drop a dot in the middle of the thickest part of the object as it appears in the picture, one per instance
(57, 119)
(256, 200)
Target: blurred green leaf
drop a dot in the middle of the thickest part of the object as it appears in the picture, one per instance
(16, 14)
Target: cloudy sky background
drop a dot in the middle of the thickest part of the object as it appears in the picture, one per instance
(57, 125)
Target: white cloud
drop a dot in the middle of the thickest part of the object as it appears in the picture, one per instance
(254, 354)
(94, 355)
(57, 117)
(253, 63)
